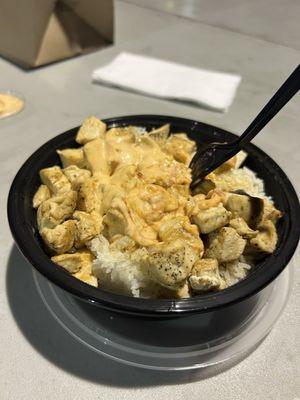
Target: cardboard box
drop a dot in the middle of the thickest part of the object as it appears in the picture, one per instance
(38, 32)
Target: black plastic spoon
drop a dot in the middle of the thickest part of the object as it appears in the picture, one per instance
(211, 155)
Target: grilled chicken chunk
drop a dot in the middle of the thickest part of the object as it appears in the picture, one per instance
(242, 228)
(225, 245)
(55, 210)
(205, 275)
(89, 196)
(87, 226)
(74, 262)
(266, 239)
(71, 157)
(169, 265)
(211, 219)
(91, 129)
(61, 238)
(76, 175)
(96, 156)
(180, 147)
(56, 181)
(42, 194)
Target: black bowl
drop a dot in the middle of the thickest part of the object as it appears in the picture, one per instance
(22, 220)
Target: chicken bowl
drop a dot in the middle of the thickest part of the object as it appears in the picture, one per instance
(225, 232)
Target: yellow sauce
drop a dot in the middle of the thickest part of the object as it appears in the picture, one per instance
(10, 105)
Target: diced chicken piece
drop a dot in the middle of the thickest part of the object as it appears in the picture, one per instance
(202, 202)
(92, 128)
(226, 166)
(170, 265)
(61, 238)
(240, 158)
(56, 181)
(109, 193)
(233, 163)
(55, 210)
(89, 196)
(205, 276)
(231, 180)
(87, 278)
(160, 134)
(42, 194)
(71, 157)
(180, 147)
(85, 274)
(211, 219)
(120, 220)
(125, 177)
(74, 262)
(244, 206)
(180, 228)
(76, 175)
(96, 156)
(269, 212)
(151, 202)
(225, 245)
(242, 228)
(165, 173)
(87, 227)
(265, 241)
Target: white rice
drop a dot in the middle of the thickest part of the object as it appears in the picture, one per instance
(120, 273)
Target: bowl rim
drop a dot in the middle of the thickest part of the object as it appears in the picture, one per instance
(35, 255)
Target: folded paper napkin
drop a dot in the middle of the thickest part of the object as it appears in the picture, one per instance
(169, 80)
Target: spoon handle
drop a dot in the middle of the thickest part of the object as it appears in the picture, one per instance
(289, 88)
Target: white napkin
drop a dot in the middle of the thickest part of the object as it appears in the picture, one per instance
(169, 80)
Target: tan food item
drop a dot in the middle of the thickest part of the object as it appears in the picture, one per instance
(95, 156)
(71, 157)
(242, 228)
(74, 262)
(92, 128)
(180, 147)
(205, 276)
(89, 196)
(211, 219)
(87, 226)
(10, 105)
(55, 210)
(42, 194)
(225, 245)
(61, 238)
(56, 181)
(76, 175)
(125, 196)
(266, 239)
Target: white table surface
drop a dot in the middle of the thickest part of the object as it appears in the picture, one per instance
(38, 360)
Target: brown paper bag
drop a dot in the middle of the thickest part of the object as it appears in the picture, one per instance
(37, 32)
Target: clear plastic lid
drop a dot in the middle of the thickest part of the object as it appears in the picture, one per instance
(173, 344)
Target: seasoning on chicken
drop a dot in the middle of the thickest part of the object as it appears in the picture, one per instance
(87, 226)
(61, 238)
(225, 245)
(205, 276)
(211, 219)
(55, 210)
(242, 228)
(42, 194)
(92, 128)
(76, 175)
(56, 181)
(71, 157)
